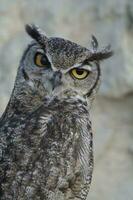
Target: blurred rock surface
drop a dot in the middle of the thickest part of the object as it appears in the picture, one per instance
(112, 114)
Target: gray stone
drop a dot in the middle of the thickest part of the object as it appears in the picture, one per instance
(113, 177)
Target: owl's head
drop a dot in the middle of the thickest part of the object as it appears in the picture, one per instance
(59, 66)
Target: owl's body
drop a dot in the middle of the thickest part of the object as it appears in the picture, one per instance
(45, 153)
(46, 148)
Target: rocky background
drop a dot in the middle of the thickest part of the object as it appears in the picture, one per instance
(112, 114)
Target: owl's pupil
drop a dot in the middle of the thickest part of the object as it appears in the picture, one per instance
(79, 71)
(44, 60)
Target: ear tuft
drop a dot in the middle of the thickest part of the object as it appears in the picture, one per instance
(94, 43)
(101, 54)
(32, 31)
(36, 33)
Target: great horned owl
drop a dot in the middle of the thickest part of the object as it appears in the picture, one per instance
(46, 147)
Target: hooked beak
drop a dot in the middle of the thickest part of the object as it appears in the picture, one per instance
(56, 79)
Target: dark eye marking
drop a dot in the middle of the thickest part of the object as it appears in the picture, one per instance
(86, 62)
(26, 77)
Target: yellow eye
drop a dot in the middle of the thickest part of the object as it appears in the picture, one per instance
(79, 73)
(41, 60)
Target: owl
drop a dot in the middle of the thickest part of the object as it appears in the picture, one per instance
(46, 140)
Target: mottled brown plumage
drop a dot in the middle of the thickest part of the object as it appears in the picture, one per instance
(46, 142)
